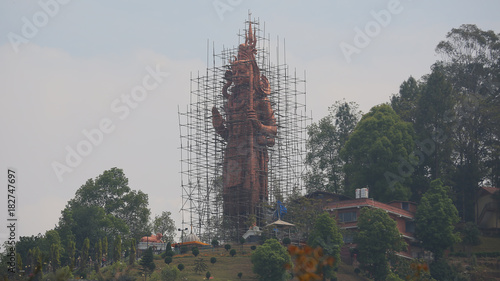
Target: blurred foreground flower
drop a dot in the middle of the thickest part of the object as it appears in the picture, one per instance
(309, 262)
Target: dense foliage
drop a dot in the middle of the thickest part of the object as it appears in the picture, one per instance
(269, 261)
(378, 238)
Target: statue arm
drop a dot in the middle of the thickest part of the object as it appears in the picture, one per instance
(218, 123)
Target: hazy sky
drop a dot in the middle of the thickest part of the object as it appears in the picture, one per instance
(68, 69)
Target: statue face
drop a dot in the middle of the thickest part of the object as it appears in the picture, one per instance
(241, 73)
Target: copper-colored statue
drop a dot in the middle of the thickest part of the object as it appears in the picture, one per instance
(249, 128)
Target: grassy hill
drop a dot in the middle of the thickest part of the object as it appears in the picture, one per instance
(226, 268)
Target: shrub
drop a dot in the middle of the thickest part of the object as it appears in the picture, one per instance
(240, 274)
(227, 247)
(287, 241)
(213, 260)
(232, 252)
(253, 247)
(168, 259)
(195, 251)
(215, 243)
(357, 270)
(207, 275)
(180, 266)
(184, 249)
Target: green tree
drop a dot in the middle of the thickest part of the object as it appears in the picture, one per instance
(180, 266)
(55, 256)
(195, 251)
(168, 259)
(97, 255)
(405, 102)
(434, 124)
(470, 235)
(227, 247)
(71, 250)
(378, 238)
(232, 252)
(213, 260)
(469, 58)
(170, 273)
(377, 155)
(117, 249)
(147, 262)
(269, 261)
(131, 259)
(165, 225)
(303, 212)
(215, 243)
(326, 234)
(105, 248)
(325, 141)
(435, 220)
(84, 257)
(200, 266)
(110, 191)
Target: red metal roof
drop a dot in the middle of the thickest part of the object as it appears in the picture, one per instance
(490, 189)
(367, 202)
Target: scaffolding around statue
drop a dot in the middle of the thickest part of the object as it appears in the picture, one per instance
(202, 149)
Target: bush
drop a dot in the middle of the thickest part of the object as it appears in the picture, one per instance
(357, 270)
(213, 260)
(441, 270)
(286, 241)
(207, 275)
(227, 247)
(170, 273)
(184, 249)
(240, 274)
(253, 247)
(232, 252)
(215, 243)
(195, 251)
(180, 266)
(168, 260)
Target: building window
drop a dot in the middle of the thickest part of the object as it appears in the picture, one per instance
(348, 237)
(410, 226)
(347, 217)
(405, 206)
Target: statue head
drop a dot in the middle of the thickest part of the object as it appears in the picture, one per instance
(244, 67)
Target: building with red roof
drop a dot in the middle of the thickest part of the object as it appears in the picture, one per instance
(487, 209)
(347, 211)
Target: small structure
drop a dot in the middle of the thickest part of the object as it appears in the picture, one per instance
(347, 211)
(252, 234)
(190, 240)
(487, 209)
(280, 225)
(153, 241)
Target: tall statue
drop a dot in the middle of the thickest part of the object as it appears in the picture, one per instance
(249, 127)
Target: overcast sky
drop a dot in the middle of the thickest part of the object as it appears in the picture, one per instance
(67, 68)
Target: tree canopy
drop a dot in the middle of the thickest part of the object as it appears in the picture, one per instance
(435, 219)
(376, 152)
(269, 261)
(326, 234)
(377, 238)
(325, 141)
